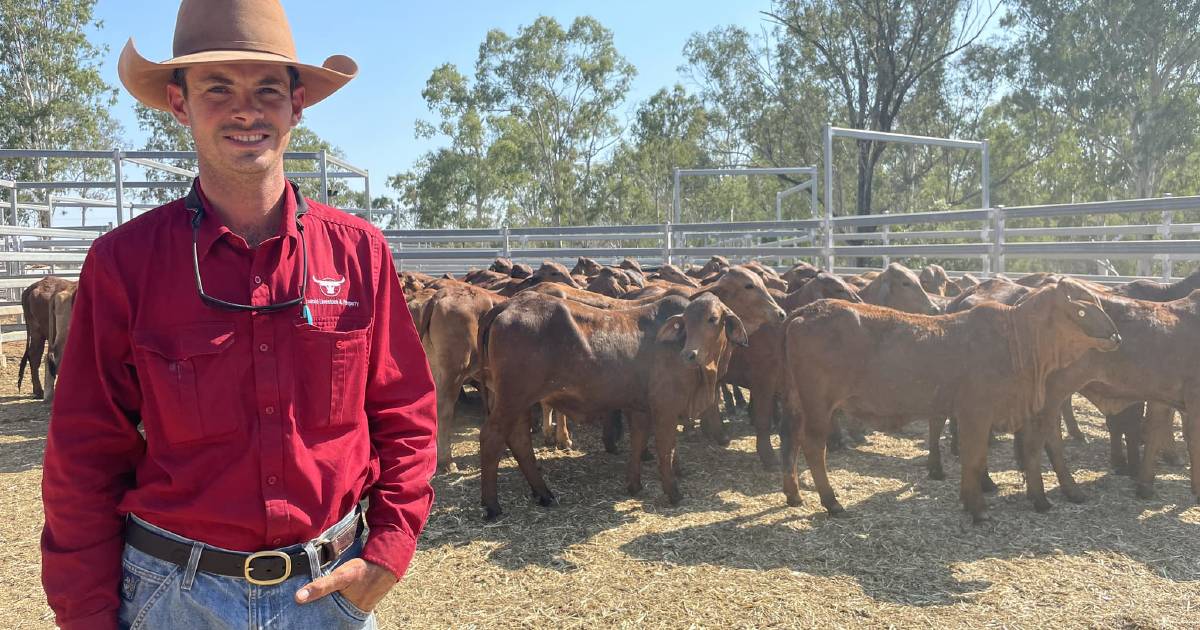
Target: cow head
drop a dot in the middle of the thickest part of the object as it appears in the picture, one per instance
(610, 282)
(632, 264)
(714, 265)
(502, 265)
(1081, 307)
(934, 279)
(521, 270)
(706, 327)
(671, 273)
(899, 288)
(798, 275)
(586, 266)
(553, 272)
(743, 292)
(828, 286)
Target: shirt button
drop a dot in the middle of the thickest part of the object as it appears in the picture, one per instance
(263, 348)
(338, 345)
(257, 279)
(271, 480)
(269, 410)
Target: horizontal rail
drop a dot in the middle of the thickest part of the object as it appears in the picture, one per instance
(43, 257)
(20, 282)
(1104, 207)
(18, 230)
(941, 216)
(937, 249)
(861, 134)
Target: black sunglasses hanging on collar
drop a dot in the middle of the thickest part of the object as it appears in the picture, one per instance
(196, 206)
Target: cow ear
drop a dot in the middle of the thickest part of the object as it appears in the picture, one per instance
(735, 330)
(672, 331)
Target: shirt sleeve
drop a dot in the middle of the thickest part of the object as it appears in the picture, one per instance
(401, 410)
(92, 448)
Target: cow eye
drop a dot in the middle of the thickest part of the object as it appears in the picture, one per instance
(750, 286)
(712, 320)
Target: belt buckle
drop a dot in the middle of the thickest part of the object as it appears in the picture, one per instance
(287, 568)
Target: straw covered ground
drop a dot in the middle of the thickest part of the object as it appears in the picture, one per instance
(732, 554)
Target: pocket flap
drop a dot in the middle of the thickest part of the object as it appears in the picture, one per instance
(184, 342)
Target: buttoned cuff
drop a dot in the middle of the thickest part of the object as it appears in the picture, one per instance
(390, 548)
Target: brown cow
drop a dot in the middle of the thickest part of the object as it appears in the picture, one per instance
(449, 328)
(1157, 292)
(521, 270)
(757, 366)
(966, 281)
(548, 272)
(586, 267)
(935, 281)
(610, 281)
(632, 265)
(61, 305)
(35, 304)
(714, 265)
(800, 273)
(484, 277)
(1157, 363)
(502, 265)
(899, 288)
(658, 362)
(987, 367)
(671, 273)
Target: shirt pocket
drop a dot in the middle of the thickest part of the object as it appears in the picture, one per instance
(183, 369)
(331, 374)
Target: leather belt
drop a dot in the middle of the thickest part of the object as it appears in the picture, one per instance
(264, 568)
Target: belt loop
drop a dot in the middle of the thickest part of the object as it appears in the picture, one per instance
(189, 574)
(314, 559)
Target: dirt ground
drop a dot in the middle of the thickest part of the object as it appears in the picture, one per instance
(733, 554)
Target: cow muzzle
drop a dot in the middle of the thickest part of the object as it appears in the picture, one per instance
(689, 355)
(1112, 342)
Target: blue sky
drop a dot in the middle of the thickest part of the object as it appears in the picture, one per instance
(398, 43)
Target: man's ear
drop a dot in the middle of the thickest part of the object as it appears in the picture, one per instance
(297, 105)
(177, 102)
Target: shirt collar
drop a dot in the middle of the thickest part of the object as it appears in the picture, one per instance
(212, 227)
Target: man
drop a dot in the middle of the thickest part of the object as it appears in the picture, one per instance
(262, 343)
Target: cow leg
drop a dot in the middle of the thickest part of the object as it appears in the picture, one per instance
(1191, 436)
(814, 456)
(1171, 448)
(36, 349)
(611, 434)
(562, 432)
(954, 437)
(855, 430)
(638, 435)
(973, 439)
(713, 427)
(739, 399)
(1052, 438)
(1026, 442)
(520, 442)
(664, 446)
(1133, 441)
(761, 414)
(1068, 417)
(837, 440)
(1156, 430)
(448, 389)
(491, 449)
(548, 436)
(793, 421)
(727, 396)
(1116, 449)
(934, 463)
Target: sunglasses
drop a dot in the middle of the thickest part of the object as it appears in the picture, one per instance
(196, 207)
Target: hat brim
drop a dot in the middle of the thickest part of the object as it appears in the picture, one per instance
(147, 81)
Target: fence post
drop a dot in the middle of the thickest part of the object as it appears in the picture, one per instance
(506, 248)
(675, 203)
(997, 258)
(887, 240)
(367, 192)
(324, 164)
(666, 255)
(117, 175)
(1164, 230)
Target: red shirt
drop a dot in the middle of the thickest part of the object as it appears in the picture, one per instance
(261, 430)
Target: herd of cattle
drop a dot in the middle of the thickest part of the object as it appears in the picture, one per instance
(653, 349)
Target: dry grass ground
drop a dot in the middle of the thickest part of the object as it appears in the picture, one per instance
(732, 554)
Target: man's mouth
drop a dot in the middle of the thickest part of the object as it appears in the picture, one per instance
(247, 138)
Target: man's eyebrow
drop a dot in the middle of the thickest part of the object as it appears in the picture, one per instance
(215, 78)
(271, 81)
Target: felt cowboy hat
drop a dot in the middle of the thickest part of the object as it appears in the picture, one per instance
(230, 31)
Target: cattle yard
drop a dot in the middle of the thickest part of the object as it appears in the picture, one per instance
(733, 554)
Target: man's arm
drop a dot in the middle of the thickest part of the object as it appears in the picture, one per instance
(401, 410)
(91, 451)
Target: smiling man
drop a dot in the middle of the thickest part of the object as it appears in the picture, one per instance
(261, 344)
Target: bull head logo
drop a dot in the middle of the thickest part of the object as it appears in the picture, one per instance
(330, 287)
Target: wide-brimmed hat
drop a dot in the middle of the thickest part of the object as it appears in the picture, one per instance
(230, 31)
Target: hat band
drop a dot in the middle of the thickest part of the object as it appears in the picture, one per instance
(240, 45)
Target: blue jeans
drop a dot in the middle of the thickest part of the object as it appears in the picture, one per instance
(159, 594)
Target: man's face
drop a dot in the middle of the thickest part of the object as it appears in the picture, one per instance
(241, 115)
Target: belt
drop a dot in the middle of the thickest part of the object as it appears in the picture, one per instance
(264, 568)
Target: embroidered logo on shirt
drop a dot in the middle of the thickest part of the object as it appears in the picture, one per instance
(329, 286)
(332, 290)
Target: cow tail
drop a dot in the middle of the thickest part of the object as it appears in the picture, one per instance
(426, 317)
(485, 327)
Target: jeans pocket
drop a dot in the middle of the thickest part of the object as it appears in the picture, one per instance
(350, 609)
(140, 589)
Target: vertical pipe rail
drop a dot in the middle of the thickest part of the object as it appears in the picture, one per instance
(997, 258)
(827, 250)
(1164, 230)
(120, 181)
(506, 244)
(666, 255)
(324, 164)
(367, 192)
(985, 150)
(887, 240)
(675, 198)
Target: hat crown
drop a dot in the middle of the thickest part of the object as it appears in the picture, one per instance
(257, 25)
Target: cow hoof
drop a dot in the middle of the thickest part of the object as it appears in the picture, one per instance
(980, 519)
(546, 500)
(937, 475)
(795, 501)
(634, 489)
(490, 514)
(1041, 505)
(647, 456)
(834, 508)
(674, 496)
(1145, 491)
(1074, 495)
(988, 485)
